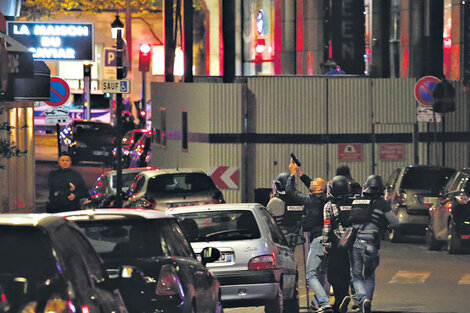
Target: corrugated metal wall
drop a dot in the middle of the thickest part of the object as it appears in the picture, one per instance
(321, 106)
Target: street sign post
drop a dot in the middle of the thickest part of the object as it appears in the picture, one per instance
(116, 85)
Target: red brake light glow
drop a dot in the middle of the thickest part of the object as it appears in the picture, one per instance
(401, 197)
(169, 283)
(263, 262)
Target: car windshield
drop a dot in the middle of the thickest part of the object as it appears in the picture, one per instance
(169, 184)
(219, 225)
(127, 179)
(432, 179)
(132, 238)
(93, 129)
(25, 253)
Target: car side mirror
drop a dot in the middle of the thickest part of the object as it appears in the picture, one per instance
(295, 239)
(209, 255)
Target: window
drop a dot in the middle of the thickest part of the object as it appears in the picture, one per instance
(129, 238)
(276, 232)
(180, 183)
(137, 185)
(219, 225)
(432, 179)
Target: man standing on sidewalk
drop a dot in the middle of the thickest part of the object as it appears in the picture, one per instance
(66, 187)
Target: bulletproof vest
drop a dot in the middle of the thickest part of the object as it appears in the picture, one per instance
(285, 212)
(344, 212)
(361, 210)
(366, 210)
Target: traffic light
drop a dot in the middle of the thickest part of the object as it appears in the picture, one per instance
(144, 57)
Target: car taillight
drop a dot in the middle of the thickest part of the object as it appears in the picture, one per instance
(401, 197)
(169, 283)
(462, 198)
(263, 262)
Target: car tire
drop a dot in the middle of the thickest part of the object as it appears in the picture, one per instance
(453, 241)
(395, 235)
(276, 305)
(431, 241)
(292, 305)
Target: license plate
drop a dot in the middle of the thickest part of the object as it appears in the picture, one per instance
(225, 257)
(98, 153)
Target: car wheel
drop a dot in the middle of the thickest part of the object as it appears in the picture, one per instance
(453, 241)
(395, 235)
(276, 305)
(292, 305)
(431, 241)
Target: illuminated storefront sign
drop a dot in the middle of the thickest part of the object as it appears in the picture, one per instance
(55, 41)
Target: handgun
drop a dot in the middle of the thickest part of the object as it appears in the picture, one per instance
(296, 161)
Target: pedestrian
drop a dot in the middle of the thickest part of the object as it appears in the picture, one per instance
(371, 214)
(336, 218)
(312, 222)
(344, 170)
(286, 211)
(66, 187)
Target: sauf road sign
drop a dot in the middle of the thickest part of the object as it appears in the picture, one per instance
(116, 86)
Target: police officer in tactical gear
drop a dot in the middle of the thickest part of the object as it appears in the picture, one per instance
(344, 170)
(336, 219)
(370, 214)
(286, 211)
(312, 222)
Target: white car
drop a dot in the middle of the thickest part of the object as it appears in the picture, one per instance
(164, 188)
(257, 264)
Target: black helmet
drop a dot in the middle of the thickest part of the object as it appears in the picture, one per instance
(374, 185)
(339, 186)
(281, 181)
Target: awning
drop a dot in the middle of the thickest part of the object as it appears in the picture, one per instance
(21, 78)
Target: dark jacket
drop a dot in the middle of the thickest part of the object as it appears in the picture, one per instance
(59, 190)
(312, 219)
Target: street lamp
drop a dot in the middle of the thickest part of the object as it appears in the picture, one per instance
(117, 28)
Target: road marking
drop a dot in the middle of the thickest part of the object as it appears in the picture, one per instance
(465, 280)
(405, 277)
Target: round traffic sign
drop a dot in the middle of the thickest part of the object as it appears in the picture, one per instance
(424, 88)
(60, 92)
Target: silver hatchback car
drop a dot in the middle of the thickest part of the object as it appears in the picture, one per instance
(257, 264)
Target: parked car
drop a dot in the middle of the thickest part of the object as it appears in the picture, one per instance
(104, 190)
(257, 264)
(449, 217)
(140, 153)
(412, 190)
(153, 242)
(129, 140)
(88, 141)
(46, 263)
(164, 188)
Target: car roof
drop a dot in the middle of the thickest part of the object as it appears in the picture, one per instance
(133, 170)
(172, 171)
(215, 207)
(45, 221)
(428, 166)
(97, 214)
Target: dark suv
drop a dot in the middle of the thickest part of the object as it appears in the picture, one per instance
(46, 263)
(450, 216)
(412, 190)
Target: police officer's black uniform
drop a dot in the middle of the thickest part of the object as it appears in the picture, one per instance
(286, 211)
(337, 217)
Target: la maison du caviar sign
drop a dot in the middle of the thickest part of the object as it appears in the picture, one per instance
(54, 41)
